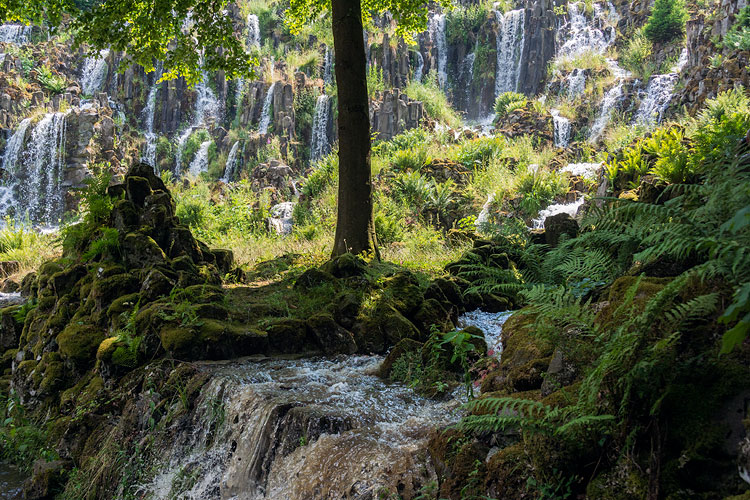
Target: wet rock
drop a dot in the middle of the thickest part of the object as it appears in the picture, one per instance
(402, 347)
(333, 338)
(557, 225)
(47, 479)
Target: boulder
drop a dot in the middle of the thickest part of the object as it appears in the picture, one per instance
(557, 225)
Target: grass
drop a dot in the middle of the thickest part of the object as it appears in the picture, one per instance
(23, 244)
(435, 102)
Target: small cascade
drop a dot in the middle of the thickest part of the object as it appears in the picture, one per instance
(265, 117)
(94, 73)
(561, 208)
(510, 44)
(612, 98)
(281, 221)
(484, 216)
(200, 162)
(562, 129)
(253, 32)
(436, 29)
(418, 72)
(231, 168)
(302, 429)
(467, 72)
(586, 170)
(35, 170)
(207, 109)
(328, 67)
(576, 82)
(149, 154)
(658, 94)
(581, 34)
(17, 34)
(320, 145)
(491, 325)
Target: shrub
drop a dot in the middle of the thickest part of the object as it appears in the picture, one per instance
(671, 155)
(667, 21)
(49, 81)
(738, 36)
(507, 102)
(413, 189)
(375, 81)
(324, 174)
(462, 22)
(409, 159)
(636, 55)
(479, 151)
(723, 122)
(435, 103)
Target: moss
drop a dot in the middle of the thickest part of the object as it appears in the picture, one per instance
(647, 288)
(124, 304)
(53, 377)
(622, 482)
(507, 473)
(106, 348)
(79, 343)
(289, 336)
(404, 292)
(177, 339)
(401, 348)
(106, 290)
(385, 327)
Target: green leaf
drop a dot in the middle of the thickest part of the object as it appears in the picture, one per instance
(736, 335)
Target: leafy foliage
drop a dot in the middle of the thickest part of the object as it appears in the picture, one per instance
(667, 21)
(508, 102)
(738, 36)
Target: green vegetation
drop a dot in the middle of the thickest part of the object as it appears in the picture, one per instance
(738, 36)
(509, 102)
(667, 21)
(435, 102)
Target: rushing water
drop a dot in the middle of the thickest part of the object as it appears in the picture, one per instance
(281, 218)
(418, 72)
(253, 32)
(94, 73)
(612, 99)
(658, 94)
(328, 66)
(510, 43)
(436, 30)
(233, 163)
(311, 428)
(582, 33)
(265, 117)
(491, 325)
(561, 130)
(200, 162)
(320, 144)
(34, 170)
(207, 110)
(14, 33)
(576, 82)
(556, 209)
(149, 154)
(586, 170)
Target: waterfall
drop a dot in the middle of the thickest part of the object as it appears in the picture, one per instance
(484, 216)
(581, 35)
(510, 44)
(281, 218)
(207, 108)
(200, 162)
(265, 117)
(328, 66)
(562, 208)
(611, 99)
(34, 172)
(94, 73)
(320, 145)
(576, 81)
(230, 170)
(253, 32)
(302, 429)
(467, 72)
(420, 66)
(562, 129)
(149, 155)
(436, 29)
(17, 34)
(587, 170)
(658, 94)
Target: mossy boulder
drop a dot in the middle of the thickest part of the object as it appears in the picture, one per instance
(78, 343)
(289, 336)
(105, 291)
(403, 292)
(622, 482)
(141, 251)
(64, 281)
(10, 328)
(137, 189)
(507, 473)
(333, 338)
(313, 278)
(431, 313)
(402, 347)
(47, 479)
(212, 339)
(615, 310)
(383, 327)
(345, 266)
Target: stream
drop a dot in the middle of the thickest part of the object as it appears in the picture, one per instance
(10, 481)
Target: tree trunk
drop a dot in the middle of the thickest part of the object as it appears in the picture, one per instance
(355, 228)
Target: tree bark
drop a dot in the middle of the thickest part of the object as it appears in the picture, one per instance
(355, 228)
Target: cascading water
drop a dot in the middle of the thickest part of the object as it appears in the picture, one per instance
(17, 34)
(484, 216)
(320, 145)
(587, 170)
(611, 99)
(207, 109)
(658, 94)
(418, 72)
(436, 29)
(581, 34)
(230, 170)
(556, 209)
(491, 325)
(281, 218)
(576, 82)
(467, 72)
(562, 129)
(200, 162)
(149, 154)
(34, 170)
(328, 66)
(510, 43)
(253, 32)
(265, 117)
(302, 429)
(94, 73)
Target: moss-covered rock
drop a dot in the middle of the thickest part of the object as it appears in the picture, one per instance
(289, 336)
(402, 347)
(141, 250)
(79, 342)
(345, 266)
(313, 278)
(429, 314)
(333, 338)
(383, 327)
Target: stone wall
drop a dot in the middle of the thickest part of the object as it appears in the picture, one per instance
(392, 112)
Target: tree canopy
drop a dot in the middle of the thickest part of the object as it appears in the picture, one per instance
(189, 36)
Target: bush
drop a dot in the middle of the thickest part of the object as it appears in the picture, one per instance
(667, 21)
(738, 36)
(435, 103)
(636, 55)
(507, 102)
(478, 152)
(721, 124)
(409, 159)
(324, 174)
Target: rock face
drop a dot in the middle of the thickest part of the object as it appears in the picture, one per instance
(539, 46)
(392, 113)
